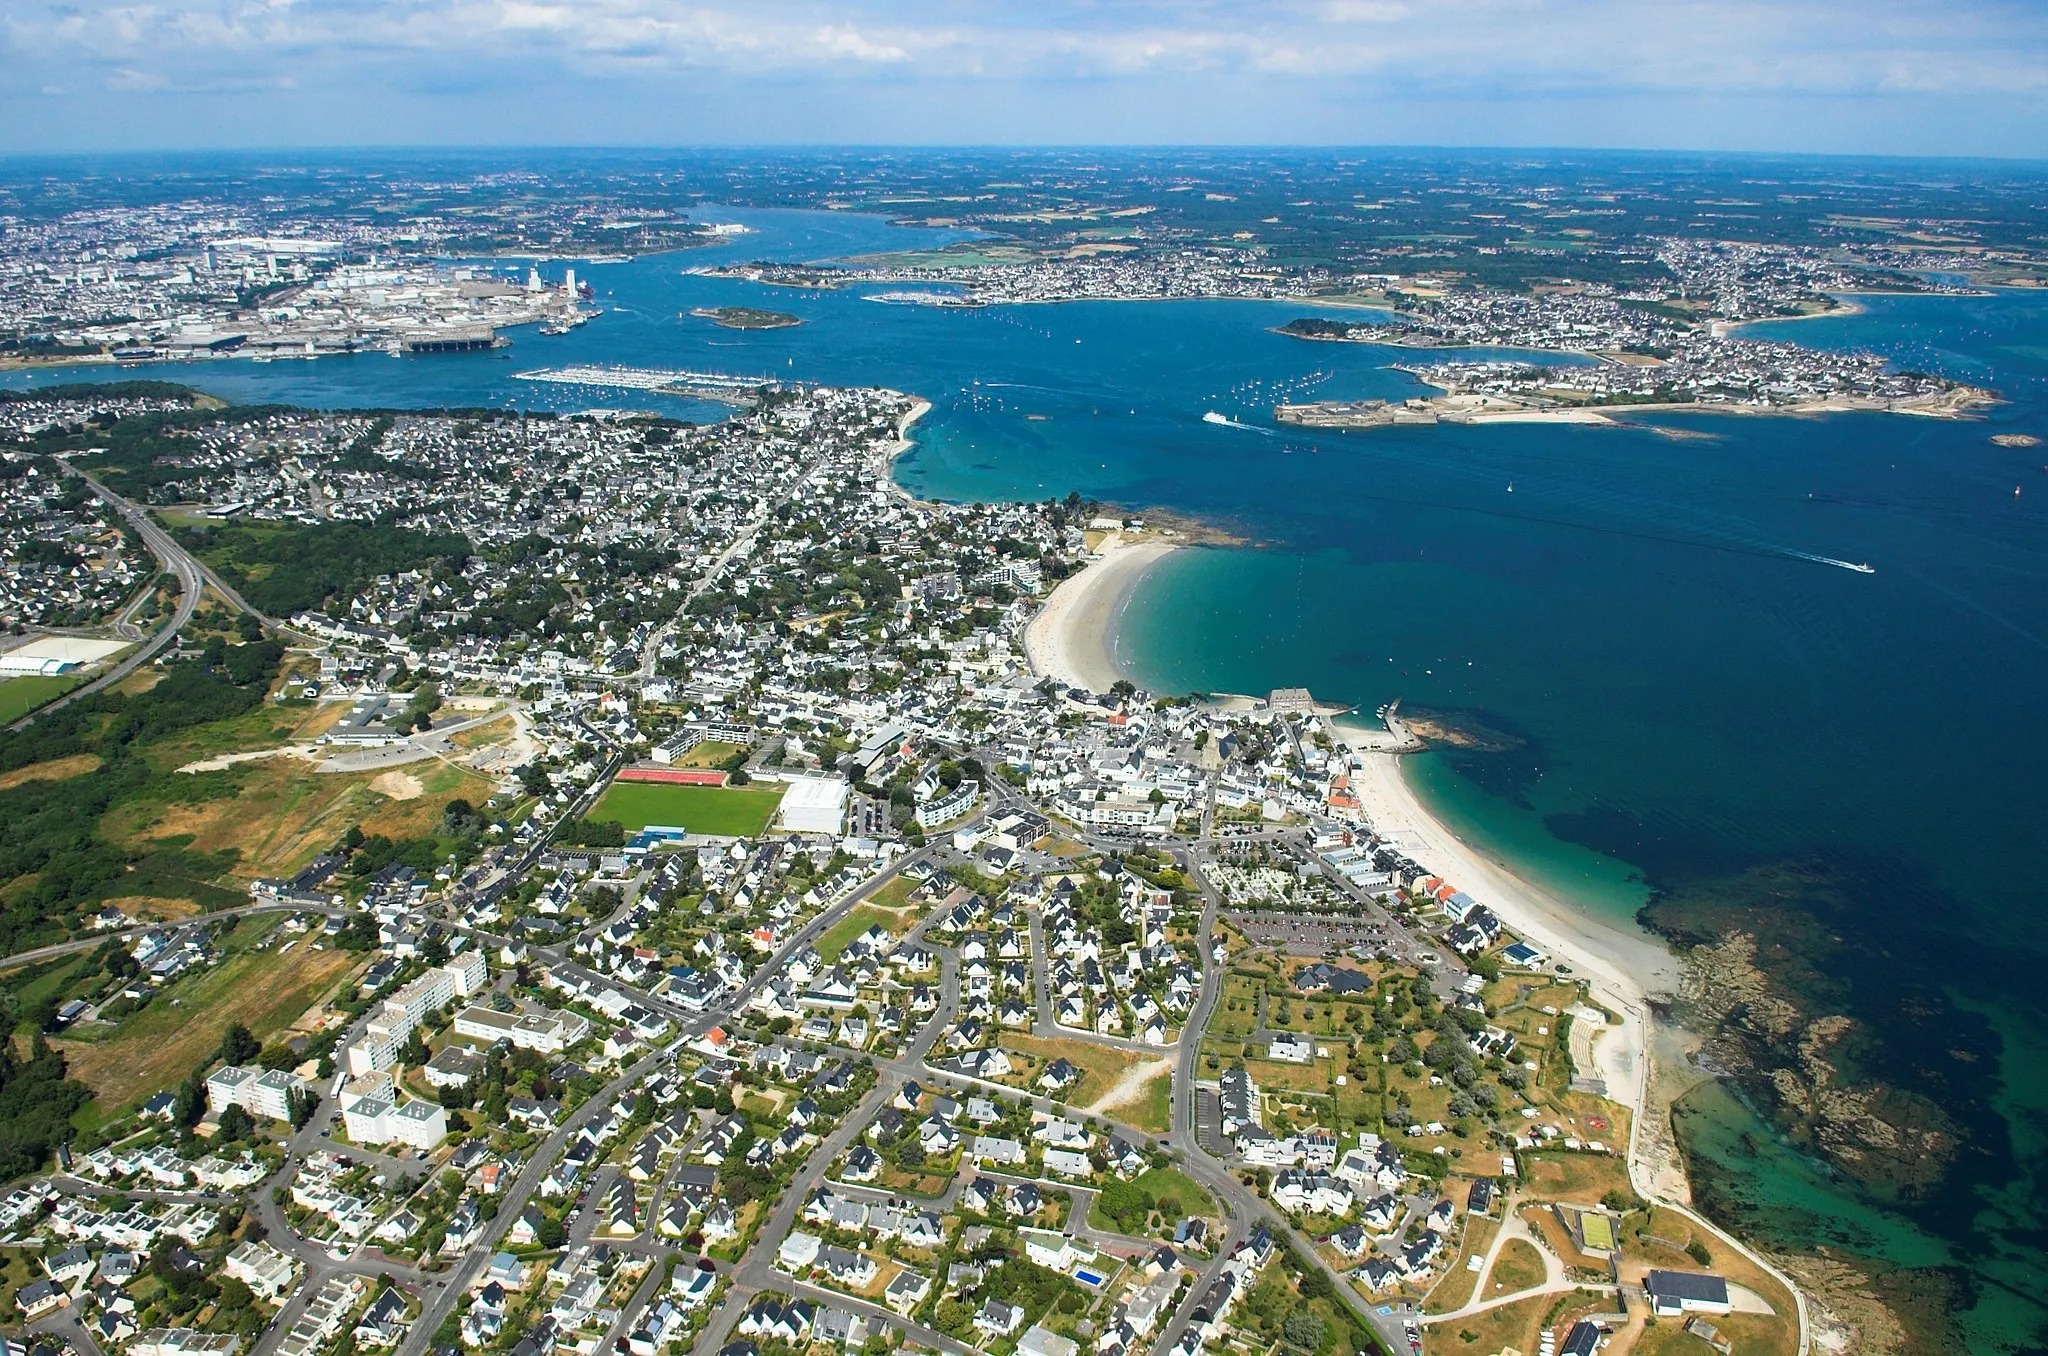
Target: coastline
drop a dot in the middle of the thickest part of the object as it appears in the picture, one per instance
(1072, 638)
(904, 442)
(1623, 966)
(1645, 1063)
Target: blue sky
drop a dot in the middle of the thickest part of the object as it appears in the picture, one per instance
(1960, 77)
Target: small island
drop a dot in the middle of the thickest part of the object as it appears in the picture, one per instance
(746, 318)
(1316, 327)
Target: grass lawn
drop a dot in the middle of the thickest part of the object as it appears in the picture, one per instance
(710, 753)
(1281, 1076)
(895, 895)
(1237, 1011)
(1580, 1179)
(19, 696)
(1518, 1267)
(156, 1047)
(1458, 1282)
(862, 918)
(1193, 1196)
(737, 811)
(1760, 1333)
(1511, 1325)
(16, 1271)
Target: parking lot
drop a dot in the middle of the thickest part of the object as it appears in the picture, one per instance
(1310, 934)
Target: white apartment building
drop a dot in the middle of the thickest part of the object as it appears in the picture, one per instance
(378, 1118)
(260, 1092)
(547, 1033)
(262, 1268)
(378, 1047)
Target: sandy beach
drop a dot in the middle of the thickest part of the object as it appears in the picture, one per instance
(1071, 637)
(904, 442)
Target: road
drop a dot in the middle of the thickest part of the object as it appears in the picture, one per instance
(161, 543)
(55, 949)
(442, 1293)
(443, 1297)
(173, 559)
(650, 653)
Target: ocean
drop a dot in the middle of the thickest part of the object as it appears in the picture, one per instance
(1668, 704)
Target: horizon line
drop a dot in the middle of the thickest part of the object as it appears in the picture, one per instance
(999, 147)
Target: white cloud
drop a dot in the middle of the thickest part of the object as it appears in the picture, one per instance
(1446, 48)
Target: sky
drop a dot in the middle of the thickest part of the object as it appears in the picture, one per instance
(1916, 77)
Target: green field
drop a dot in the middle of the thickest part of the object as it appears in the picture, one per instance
(739, 811)
(853, 925)
(19, 696)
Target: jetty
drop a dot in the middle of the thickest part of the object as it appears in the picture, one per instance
(721, 387)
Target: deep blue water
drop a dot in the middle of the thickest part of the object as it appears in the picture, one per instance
(1854, 761)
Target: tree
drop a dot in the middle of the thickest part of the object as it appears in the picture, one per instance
(550, 1232)
(301, 1103)
(190, 1103)
(1303, 1329)
(1126, 1203)
(235, 1124)
(237, 1046)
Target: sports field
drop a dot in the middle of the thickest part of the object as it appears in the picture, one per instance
(739, 811)
(19, 696)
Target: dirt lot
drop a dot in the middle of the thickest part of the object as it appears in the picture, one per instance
(285, 814)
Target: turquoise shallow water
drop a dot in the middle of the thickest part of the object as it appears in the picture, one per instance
(1689, 700)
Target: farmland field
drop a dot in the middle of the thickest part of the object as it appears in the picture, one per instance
(740, 812)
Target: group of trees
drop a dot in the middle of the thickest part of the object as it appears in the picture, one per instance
(49, 827)
(283, 571)
(37, 1102)
(592, 833)
(1130, 1205)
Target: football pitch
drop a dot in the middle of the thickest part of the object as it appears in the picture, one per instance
(740, 811)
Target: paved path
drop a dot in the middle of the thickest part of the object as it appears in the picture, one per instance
(1512, 1227)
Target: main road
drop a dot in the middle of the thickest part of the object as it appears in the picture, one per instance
(173, 559)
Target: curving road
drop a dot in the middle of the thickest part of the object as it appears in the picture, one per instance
(171, 558)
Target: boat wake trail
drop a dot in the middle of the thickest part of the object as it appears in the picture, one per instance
(1827, 560)
(1212, 417)
(1737, 548)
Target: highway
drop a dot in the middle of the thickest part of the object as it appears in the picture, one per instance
(172, 559)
